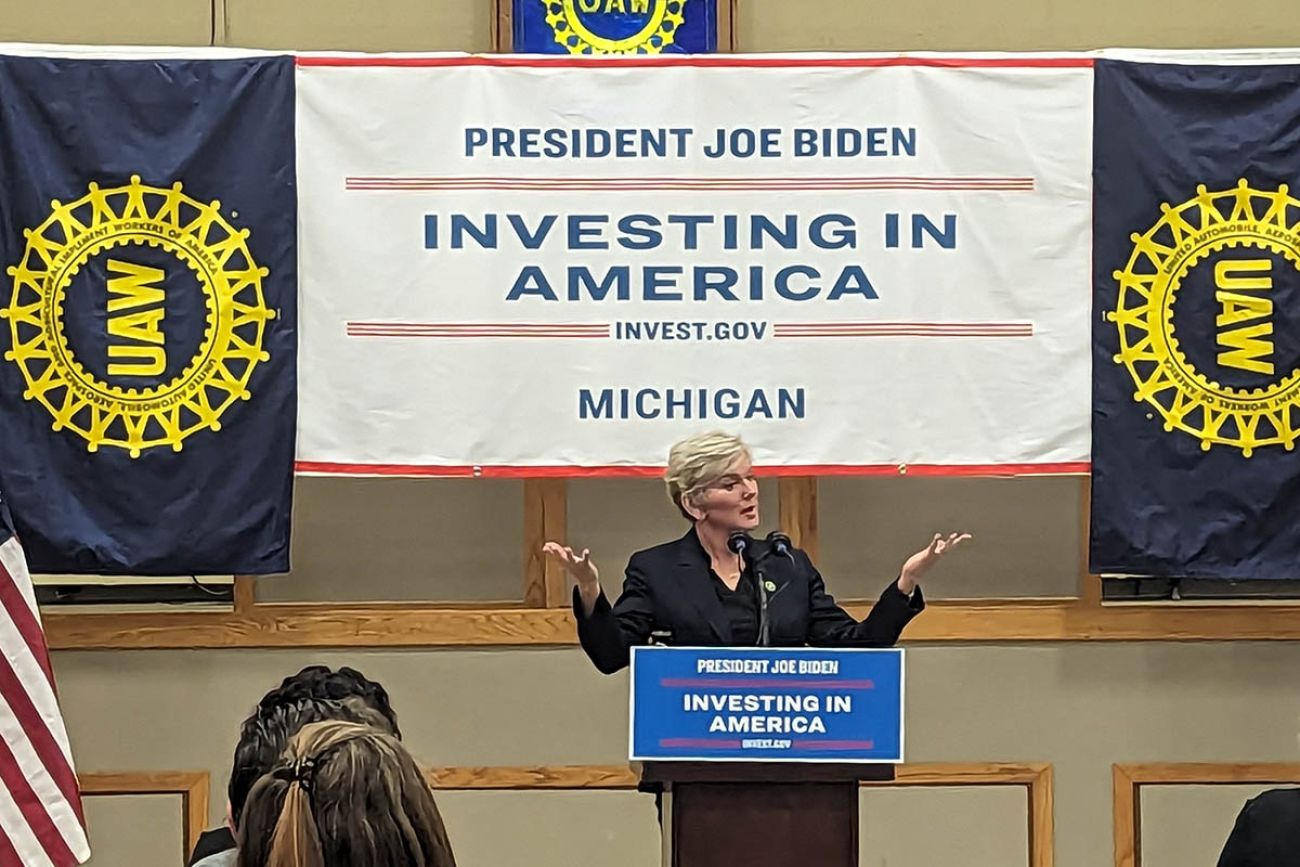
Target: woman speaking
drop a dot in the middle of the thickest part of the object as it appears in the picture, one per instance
(715, 586)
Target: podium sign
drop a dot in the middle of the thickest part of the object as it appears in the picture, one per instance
(766, 705)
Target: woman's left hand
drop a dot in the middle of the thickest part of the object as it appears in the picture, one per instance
(920, 562)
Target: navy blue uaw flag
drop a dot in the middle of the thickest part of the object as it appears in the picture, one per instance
(615, 26)
(148, 312)
(1196, 362)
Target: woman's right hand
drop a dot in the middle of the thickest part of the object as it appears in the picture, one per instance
(584, 571)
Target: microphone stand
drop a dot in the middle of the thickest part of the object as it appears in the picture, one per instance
(777, 544)
(764, 629)
(740, 542)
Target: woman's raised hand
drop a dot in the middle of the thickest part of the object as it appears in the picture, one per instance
(584, 571)
(920, 562)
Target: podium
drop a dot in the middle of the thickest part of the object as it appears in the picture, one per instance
(760, 814)
(759, 753)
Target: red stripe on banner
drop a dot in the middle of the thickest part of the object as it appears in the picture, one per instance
(524, 184)
(833, 745)
(462, 335)
(419, 329)
(39, 735)
(692, 179)
(903, 332)
(35, 814)
(887, 323)
(670, 187)
(478, 324)
(911, 334)
(331, 468)
(505, 326)
(706, 61)
(900, 332)
(703, 743)
(475, 332)
(769, 683)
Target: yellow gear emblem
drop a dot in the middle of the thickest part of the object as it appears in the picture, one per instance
(1162, 257)
(197, 235)
(663, 20)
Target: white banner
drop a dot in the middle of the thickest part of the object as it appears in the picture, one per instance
(856, 263)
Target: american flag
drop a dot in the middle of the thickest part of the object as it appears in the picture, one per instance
(41, 822)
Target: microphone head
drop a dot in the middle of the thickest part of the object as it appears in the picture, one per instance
(738, 541)
(780, 542)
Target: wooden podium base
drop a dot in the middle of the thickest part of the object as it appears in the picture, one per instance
(760, 815)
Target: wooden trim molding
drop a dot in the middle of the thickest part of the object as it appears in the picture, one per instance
(245, 593)
(1035, 778)
(1128, 780)
(1089, 584)
(527, 778)
(503, 33)
(192, 786)
(1128, 822)
(546, 505)
(728, 40)
(414, 625)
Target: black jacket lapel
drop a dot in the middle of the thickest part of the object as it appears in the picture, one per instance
(696, 584)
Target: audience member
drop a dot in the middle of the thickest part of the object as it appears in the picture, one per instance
(314, 694)
(343, 795)
(1267, 833)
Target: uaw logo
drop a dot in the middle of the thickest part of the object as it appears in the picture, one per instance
(137, 316)
(615, 26)
(1208, 316)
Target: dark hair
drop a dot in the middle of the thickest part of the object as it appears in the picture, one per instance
(314, 694)
(343, 795)
(320, 682)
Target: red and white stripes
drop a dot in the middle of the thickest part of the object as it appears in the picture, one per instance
(572, 330)
(41, 821)
(903, 329)
(687, 184)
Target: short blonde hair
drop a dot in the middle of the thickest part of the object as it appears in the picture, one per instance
(698, 461)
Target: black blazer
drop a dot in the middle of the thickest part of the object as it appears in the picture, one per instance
(1267, 833)
(668, 589)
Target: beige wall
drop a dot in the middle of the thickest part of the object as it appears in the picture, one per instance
(763, 25)
(456, 540)
(1078, 706)
(1013, 25)
(110, 818)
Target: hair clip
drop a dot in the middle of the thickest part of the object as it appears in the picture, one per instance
(304, 773)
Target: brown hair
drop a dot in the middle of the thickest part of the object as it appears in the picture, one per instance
(343, 795)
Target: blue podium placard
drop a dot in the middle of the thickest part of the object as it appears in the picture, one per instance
(766, 705)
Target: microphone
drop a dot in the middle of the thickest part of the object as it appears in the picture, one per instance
(780, 543)
(738, 541)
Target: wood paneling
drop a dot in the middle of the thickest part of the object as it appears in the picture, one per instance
(503, 34)
(1035, 778)
(414, 625)
(727, 14)
(1089, 584)
(245, 593)
(192, 786)
(545, 520)
(1128, 780)
(797, 496)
